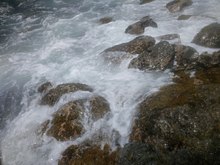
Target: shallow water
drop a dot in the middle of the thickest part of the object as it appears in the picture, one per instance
(61, 41)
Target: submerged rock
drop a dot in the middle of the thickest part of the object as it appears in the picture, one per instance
(136, 46)
(145, 1)
(105, 20)
(138, 27)
(54, 94)
(161, 57)
(44, 87)
(209, 36)
(184, 17)
(182, 120)
(178, 5)
(87, 154)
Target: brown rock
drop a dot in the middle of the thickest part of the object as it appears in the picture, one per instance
(54, 94)
(178, 5)
(209, 36)
(136, 46)
(88, 155)
(138, 27)
(184, 17)
(105, 20)
(44, 87)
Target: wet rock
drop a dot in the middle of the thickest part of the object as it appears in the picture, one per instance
(105, 20)
(178, 5)
(138, 27)
(161, 57)
(44, 87)
(185, 57)
(184, 17)
(66, 123)
(169, 37)
(87, 154)
(209, 36)
(145, 1)
(99, 107)
(182, 120)
(206, 60)
(136, 46)
(53, 95)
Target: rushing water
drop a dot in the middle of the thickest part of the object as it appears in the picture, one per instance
(61, 41)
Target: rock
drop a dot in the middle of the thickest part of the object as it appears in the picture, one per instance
(87, 154)
(161, 57)
(184, 17)
(105, 20)
(185, 57)
(206, 60)
(145, 1)
(169, 37)
(99, 107)
(138, 27)
(182, 120)
(53, 95)
(136, 46)
(44, 87)
(178, 5)
(209, 36)
(66, 123)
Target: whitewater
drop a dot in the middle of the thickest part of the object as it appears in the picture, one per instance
(62, 41)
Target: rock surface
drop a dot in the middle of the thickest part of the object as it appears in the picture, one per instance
(136, 46)
(53, 95)
(145, 1)
(161, 57)
(138, 27)
(178, 5)
(44, 87)
(209, 36)
(88, 155)
(184, 17)
(105, 20)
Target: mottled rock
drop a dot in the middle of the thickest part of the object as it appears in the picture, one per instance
(178, 5)
(105, 20)
(145, 1)
(66, 123)
(136, 46)
(184, 17)
(209, 36)
(206, 60)
(44, 87)
(54, 94)
(138, 27)
(161, 57)
(88, 155)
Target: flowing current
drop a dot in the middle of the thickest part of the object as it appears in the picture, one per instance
(61, 41)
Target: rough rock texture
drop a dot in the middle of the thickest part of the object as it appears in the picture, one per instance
(105, 20)
(206, 60)
(161, 57)
(145, 1)
(209, 36)
(178, 5)
(169, 37)
(88, 155)
(182, 120)
(138, 27)
(44, 87)
(184, 17)
(54, 94)
(66, 122)
(136, 46)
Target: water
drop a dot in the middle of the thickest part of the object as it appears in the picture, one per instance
(61, 41)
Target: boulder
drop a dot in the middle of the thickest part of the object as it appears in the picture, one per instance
(184, 17)
(54, 94)
(182, 120)
(206, 60)
(136, 46)
(145, 1)
(88, 154)
(161, 57)
(209, 36)
(105, 20)
(138, 27)
(178, 5)
(44, 87)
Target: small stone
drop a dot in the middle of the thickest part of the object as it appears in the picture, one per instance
(184, 17)
(105, 20)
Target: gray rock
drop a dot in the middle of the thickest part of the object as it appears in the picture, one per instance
(105, 20)
(44, 87)
(145, 1)
(178, 5)
(209, 36)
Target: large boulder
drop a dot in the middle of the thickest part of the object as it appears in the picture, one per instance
(136, 46)
(88, 154)
(182, 120)
(161, 57)
(54, 94)
(138, 27)
(178, 5)
(209, 36)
